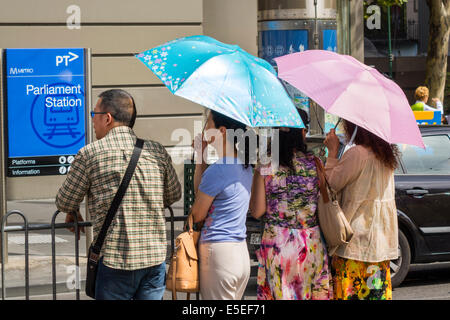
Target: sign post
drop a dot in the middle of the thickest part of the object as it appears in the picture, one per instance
(43, 119)
(2, 156)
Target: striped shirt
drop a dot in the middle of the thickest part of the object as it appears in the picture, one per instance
(136, 238)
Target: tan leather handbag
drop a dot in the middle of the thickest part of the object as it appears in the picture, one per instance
(183, 270)
(333, 223)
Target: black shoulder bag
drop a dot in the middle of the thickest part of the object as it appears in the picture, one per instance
(94, 249)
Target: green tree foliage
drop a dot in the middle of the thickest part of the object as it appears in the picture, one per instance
(437, 55)
(387, 3)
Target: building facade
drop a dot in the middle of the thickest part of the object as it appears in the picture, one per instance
(115, 31)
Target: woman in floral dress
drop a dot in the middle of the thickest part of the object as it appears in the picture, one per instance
(293, 261)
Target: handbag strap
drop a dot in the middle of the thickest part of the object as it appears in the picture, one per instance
(323, 183)
(174, 277)
(119, 195)
(189, 224)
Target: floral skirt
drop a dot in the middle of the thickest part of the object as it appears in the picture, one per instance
(293, 265)
(357, 280)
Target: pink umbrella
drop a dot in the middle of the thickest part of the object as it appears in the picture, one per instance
(345, 87)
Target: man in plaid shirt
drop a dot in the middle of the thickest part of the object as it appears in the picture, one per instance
(132, 264)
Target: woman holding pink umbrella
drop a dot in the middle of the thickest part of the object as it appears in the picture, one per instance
(364, 177)
(378, 116)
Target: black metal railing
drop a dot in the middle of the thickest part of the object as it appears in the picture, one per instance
(26, 227)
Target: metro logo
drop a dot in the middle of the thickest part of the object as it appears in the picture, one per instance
(20, 71)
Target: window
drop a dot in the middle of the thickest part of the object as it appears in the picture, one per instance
(435, 159)
(399, 169)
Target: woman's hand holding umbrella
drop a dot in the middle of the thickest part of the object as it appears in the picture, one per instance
(200, 144)
(332, 143)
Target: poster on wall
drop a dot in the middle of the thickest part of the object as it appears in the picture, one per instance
(276, 43)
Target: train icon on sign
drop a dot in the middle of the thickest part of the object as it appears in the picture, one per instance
(58, 120)
(61, 120)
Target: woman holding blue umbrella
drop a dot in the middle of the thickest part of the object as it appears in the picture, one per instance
(221, 201)
(241, 90)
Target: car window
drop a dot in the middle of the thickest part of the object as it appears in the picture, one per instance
(435, 159)
(399, 169)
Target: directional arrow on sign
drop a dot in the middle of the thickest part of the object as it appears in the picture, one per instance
(74, 56)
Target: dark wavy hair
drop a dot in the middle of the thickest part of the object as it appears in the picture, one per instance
(387, 153)
(242, 146)
(291, 142)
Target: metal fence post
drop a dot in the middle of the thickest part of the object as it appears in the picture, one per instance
(27, 274)
(77, 253)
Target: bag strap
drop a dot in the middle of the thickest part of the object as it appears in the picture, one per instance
(174, 277)
(119, 195)
(323, 183)
(189, 224)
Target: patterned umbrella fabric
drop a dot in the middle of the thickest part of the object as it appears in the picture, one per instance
(345, 87)
(223, 78)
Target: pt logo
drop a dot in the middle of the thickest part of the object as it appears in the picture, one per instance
(66, 59)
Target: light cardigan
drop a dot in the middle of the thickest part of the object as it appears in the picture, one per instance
(367, 191)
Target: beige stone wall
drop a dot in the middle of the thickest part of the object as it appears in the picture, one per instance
(232, 21)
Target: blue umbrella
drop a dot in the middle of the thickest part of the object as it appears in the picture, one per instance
(223, 78)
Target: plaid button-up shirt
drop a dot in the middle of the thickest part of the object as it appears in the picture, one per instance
(136, 238)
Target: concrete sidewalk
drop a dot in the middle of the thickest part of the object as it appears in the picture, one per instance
(40, 275)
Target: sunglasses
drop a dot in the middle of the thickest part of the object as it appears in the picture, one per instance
(93, 113)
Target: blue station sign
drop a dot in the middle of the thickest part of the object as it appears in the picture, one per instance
(46, 109)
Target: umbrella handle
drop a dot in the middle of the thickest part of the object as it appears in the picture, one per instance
(318, 122)
(337, 123)
(193, 151)
(353, 136)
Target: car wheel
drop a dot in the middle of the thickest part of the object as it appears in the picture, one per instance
(400, 266)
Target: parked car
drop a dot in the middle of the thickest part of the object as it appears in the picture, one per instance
(422, 184)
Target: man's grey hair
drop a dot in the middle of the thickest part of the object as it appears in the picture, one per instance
(120, 104)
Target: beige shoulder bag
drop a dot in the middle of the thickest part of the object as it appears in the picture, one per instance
(333, 223)
(183, 270)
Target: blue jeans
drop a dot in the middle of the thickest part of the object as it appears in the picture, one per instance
(143, 284)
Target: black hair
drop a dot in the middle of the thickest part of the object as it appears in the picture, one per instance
(117, 102)
(291, 142)
(242, 145)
